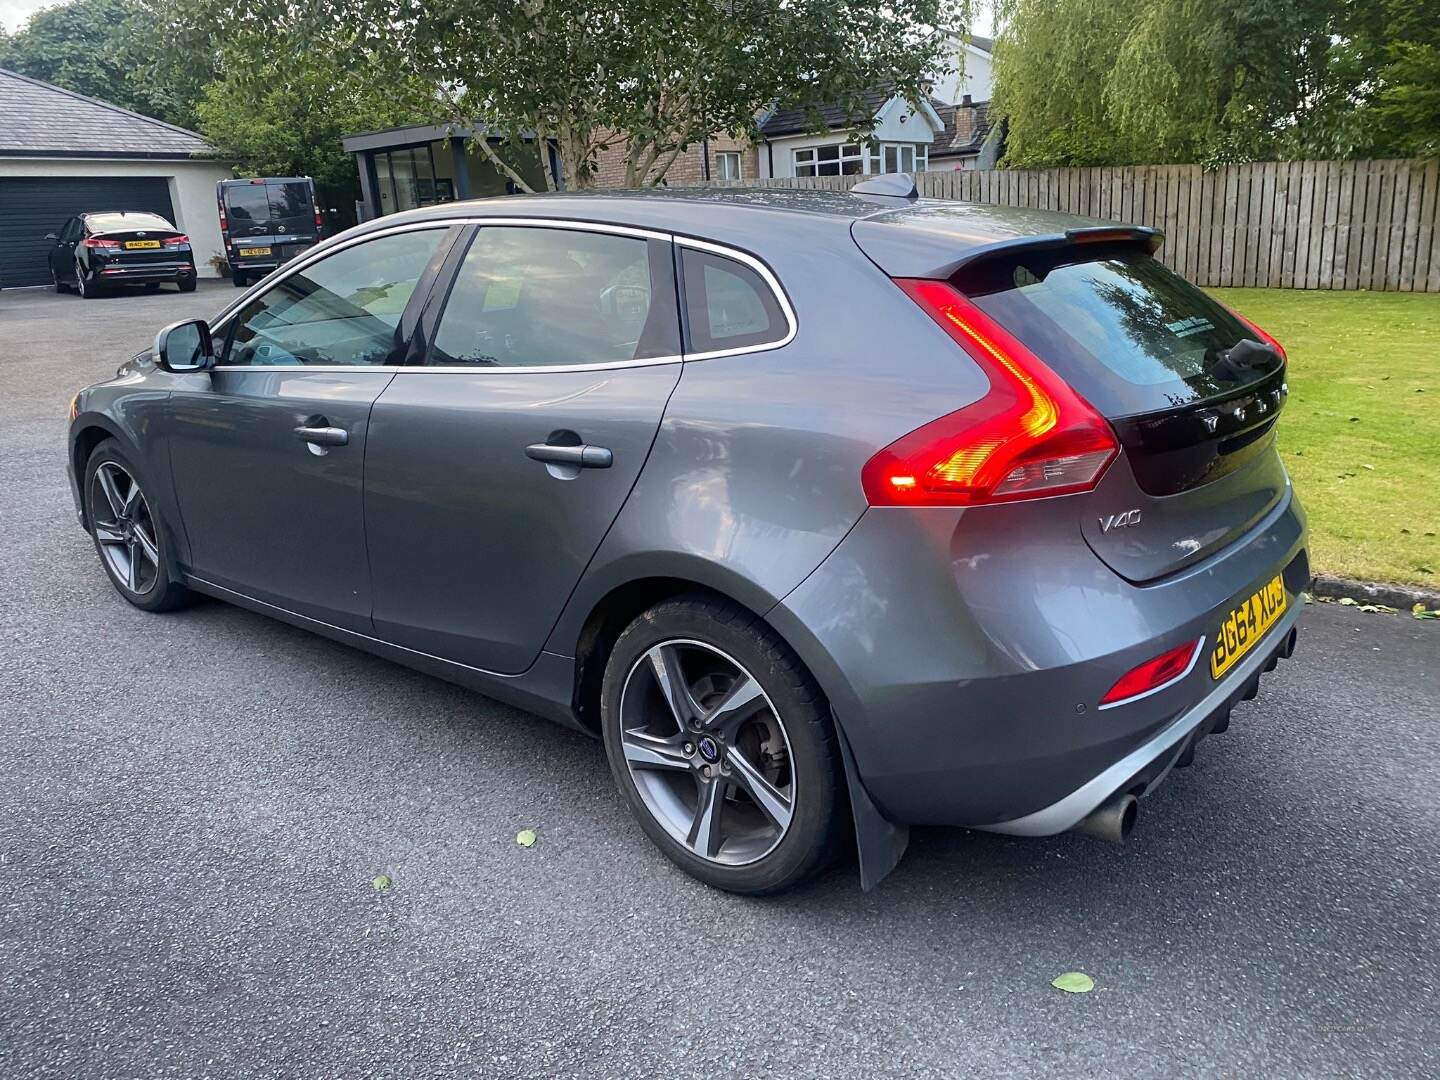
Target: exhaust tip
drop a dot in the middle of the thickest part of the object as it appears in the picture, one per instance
(1113, 820)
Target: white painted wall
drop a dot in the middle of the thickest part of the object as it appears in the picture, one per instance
(977, 81)
(192, 192)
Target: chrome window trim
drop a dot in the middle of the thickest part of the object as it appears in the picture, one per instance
(315, 254)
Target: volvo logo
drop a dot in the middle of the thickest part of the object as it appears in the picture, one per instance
(1120, 521)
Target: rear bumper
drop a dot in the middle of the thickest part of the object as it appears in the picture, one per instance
(148, 272)
(965, 660)
(1141, 770)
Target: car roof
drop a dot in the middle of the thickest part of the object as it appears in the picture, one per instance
(905, 236)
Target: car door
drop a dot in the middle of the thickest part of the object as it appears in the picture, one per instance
(497, 463)
(62, 254)
(268, 449)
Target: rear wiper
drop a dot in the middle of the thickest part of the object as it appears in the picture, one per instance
(1247, 355)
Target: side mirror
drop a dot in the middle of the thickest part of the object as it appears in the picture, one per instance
(52, 236)
(185, 346)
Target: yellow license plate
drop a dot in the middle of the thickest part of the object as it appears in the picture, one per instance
(254, 251)
(136, 245)
(1246, 625)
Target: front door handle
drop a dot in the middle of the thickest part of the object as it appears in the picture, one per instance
(322, 436)
(584, 457)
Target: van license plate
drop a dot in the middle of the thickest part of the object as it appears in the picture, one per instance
(245, 252)
(1246, 625)
(136, 245)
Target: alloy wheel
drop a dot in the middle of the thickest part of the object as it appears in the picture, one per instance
(124, 527)
(707, 751)
(80, 286)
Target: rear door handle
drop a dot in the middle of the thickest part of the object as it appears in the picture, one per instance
(586, 457)
(323, 436)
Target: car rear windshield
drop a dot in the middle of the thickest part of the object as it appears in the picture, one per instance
(283, 206)
(1131, 336)
(103, 223)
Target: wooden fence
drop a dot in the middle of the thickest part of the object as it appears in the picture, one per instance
(1285, 224)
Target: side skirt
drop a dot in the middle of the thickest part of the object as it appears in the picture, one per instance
(545, 688)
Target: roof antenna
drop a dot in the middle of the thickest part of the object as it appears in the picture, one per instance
(893, 185)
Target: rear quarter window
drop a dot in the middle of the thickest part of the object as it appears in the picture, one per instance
(728, 305)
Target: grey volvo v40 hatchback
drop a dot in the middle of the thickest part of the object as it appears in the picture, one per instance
(825, 511)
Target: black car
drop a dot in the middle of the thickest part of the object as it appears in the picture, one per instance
(266, 222)
(95, 251)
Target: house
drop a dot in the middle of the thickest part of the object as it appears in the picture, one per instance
(62, 154)
(402, 168)
(416, 166)
(947, 131)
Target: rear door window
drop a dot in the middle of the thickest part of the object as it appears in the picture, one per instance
(1131, 336)
(291, 207)
(543, 297)
(728, 305)
(248, 206)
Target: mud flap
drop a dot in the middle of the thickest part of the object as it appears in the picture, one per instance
(879, 842)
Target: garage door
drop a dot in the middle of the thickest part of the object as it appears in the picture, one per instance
(34, 206)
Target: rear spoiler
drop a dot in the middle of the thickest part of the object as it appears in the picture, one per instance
(921, 243)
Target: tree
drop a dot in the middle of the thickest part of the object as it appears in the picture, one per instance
(288, 119)
(113, 50)
(655, 76)
(1087, 82)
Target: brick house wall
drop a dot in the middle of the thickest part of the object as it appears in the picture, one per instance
(688, 167)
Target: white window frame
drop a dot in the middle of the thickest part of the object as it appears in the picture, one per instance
(808, 158)
(905, 158)
(723, 161)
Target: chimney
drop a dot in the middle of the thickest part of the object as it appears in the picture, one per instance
(966, 101)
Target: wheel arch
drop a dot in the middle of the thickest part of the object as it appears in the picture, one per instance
(89, 431)
(879, 842)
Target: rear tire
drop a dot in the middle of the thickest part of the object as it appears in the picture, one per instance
(187, 284)
(129, 535)
(746, 794)
(239, 278)
(87, 287)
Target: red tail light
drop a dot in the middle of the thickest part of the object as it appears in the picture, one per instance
(1153, 675)
(100, 242)
(176, 241)
(1262, 335)
(1031, 436)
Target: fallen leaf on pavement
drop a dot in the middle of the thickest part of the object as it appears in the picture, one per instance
(382, 883)
(525, 838)
(1074, 982)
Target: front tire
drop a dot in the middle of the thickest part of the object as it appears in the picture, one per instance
(722, 744)
(128, 532)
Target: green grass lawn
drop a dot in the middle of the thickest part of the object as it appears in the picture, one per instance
(1361, 432)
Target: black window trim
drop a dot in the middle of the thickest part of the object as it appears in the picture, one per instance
(441, 283)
